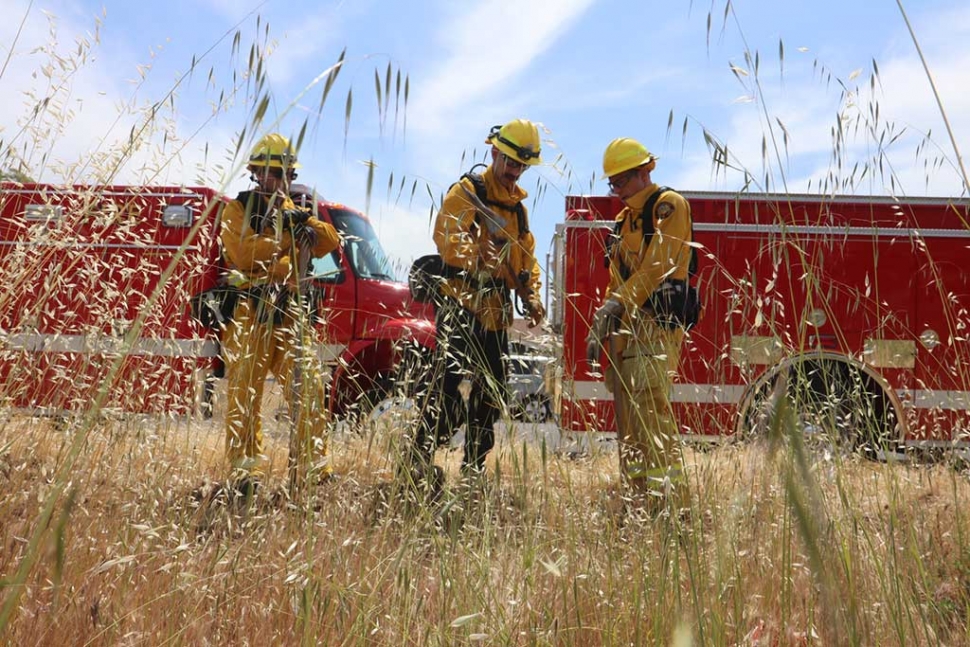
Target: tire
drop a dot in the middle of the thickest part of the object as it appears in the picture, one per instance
(384, 423)
(837, 408)
(388, 412)
(402, 381)
(534, 410)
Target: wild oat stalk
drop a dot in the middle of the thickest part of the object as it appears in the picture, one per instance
(111, 163)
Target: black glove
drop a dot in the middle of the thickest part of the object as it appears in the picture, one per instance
(294, 218)
(536, 312)
(593, 349)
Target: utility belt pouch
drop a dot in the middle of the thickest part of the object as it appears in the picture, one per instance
(214, 308)
(425, 277)
(675, 303)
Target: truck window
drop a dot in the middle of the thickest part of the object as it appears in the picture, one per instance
(326, 268)
(361, 246)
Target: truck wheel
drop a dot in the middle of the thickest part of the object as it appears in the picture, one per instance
(411, 374)
(534, 410)
(370, 400)
(391, 411)
(387, 424)
(837, 407)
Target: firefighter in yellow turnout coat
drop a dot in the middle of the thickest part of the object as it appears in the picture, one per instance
(644, 353)
(491, 263)
(267, 241)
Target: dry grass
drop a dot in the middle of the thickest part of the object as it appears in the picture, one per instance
(781, 547)
(542, 555)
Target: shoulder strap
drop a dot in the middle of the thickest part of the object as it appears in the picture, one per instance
(254, 204)
(646, 224)
(478, 182)
(646, 221)
(646, 216)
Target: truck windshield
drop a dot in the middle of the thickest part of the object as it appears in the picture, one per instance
(363, 250)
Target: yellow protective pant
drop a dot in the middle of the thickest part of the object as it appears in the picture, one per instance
(650, 453)
(251, 351)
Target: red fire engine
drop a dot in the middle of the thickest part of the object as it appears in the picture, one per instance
(96, 284)
(854, 308)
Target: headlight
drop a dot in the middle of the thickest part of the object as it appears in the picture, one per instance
(177, 215)
(930, 339)
(816, 318)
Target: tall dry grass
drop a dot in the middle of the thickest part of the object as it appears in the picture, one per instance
(114, 531)
(850, 552)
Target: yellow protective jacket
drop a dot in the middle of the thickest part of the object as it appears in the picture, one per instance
(460, 239)
(648, 261)
(256, 247)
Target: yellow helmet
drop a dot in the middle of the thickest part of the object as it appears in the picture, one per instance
(624, 154)
(519, 139)
(273, 151)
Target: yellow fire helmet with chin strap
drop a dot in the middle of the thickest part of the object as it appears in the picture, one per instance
(519, 139)
(273, 151)
(625, 153)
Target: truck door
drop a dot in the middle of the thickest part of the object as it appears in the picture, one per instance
(357, 287)
(379, 295)
(336, 287)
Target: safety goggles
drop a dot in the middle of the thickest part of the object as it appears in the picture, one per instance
(524, 154)
(617, 182)
(277, 173)
(513, 163)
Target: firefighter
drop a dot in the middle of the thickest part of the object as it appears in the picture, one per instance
(268, 244)
(649, 252)
(482, 235)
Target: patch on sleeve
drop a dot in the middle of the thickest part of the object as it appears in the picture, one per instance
(664, 209)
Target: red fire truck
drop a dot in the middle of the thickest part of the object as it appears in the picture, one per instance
(853, 308)
(95, 285)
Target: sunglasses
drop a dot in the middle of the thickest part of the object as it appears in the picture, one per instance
(513, 163)
(619, 181)
(277, 173)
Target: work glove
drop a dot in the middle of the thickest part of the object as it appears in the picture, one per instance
(294, 218)
(604, 322)
(304, 236)
(593, 348)
(536, 313)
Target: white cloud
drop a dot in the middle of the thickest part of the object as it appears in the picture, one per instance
(55, 106)
(483, 48)
(298, 55)
(69, 117)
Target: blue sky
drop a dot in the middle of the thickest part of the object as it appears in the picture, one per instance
(589, 71)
